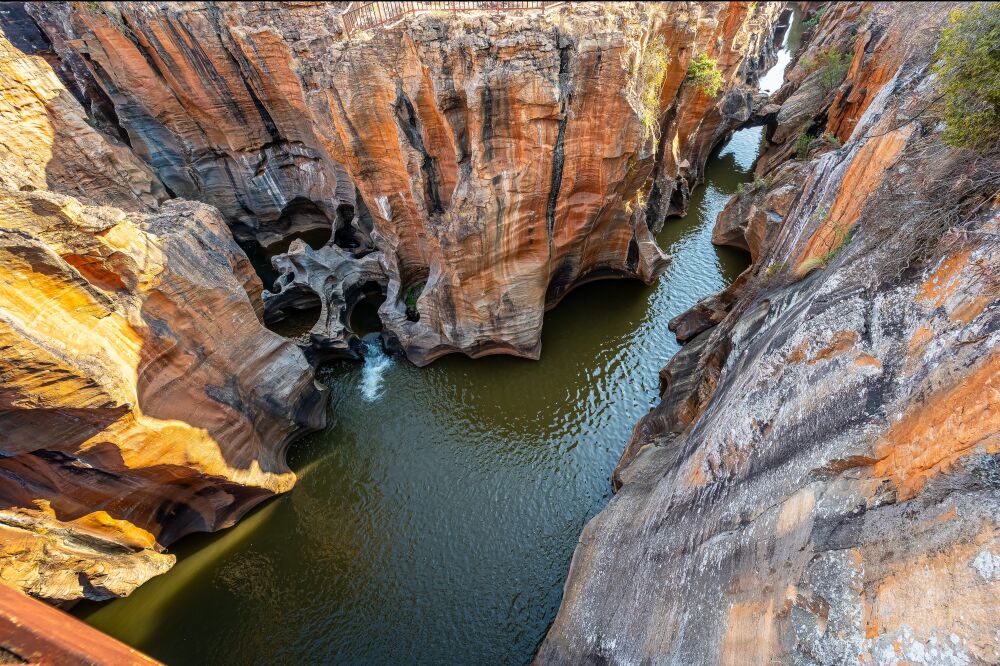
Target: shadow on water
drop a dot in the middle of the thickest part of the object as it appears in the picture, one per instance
(434, 519)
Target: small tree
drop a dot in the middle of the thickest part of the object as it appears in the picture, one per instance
(832, 66)
(809, 24)
(803, 144)
(968, 61)
(704, 73)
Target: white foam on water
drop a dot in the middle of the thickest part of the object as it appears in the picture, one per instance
(373, 372)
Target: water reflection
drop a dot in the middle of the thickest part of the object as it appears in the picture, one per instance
(775, 76)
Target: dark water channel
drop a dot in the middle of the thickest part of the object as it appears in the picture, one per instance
(434, 520)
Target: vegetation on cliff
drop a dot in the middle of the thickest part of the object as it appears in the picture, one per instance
(968, 62)
(643, 92)
(704, 73)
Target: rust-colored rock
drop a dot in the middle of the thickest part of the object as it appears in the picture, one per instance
(479, 143)
(35, 633)
(54, 148)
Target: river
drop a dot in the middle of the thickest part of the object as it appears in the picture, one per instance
(435, 518)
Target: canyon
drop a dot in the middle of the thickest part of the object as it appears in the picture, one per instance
(816, 480)
(497, 192)
(470, 156)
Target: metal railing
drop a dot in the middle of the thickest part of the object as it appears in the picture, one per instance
(370, 15)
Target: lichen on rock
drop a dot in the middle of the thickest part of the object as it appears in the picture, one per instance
(817, 482)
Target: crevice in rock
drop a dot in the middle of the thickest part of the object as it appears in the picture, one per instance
(362, 315)
(632, 260)
(203, 65)
(486, 136)
(130, 35)
(558, 154)
(245, 75)
(346, 236)
(411, 294)
(656, 214)
(407, 117)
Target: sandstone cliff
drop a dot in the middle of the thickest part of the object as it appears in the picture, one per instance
(493, 162)
(819, 483)
(141, 398)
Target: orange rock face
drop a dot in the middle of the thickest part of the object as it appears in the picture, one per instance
(493, 155)
(32, 632)
(820, 482)
(141, 398)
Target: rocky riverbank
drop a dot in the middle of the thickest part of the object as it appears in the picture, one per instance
(819, 481)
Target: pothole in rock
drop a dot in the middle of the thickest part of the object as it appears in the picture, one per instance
(296, 323)
(363, 318)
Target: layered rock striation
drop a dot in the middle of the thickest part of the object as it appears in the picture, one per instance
(819, 483)
(141, 397)
(494, 161)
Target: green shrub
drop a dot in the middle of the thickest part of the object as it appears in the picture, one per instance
(802, 145)
(832, 66)
(814, 21)
(832, 139)
(757, 185)
(704, 73)
(413, 293)
(968, 61)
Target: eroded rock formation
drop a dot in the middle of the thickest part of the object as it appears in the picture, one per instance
(141, 398)
(495, 153)
(820, 482)
(333, 279)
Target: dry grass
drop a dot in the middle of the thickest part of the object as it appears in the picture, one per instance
(927, 206)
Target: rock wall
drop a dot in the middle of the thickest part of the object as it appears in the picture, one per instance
(820, 482)
(500, 160)
(141, 398)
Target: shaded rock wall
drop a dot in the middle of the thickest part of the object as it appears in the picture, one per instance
(819, 483)
(480, 144)
(141, 398)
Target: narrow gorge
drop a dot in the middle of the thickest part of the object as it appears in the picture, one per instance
(312, 351)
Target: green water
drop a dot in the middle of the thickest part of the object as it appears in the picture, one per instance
(434, 520)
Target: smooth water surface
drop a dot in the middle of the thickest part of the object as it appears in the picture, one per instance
(434, 520)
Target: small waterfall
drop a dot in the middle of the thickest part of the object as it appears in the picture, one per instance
(373, 371)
